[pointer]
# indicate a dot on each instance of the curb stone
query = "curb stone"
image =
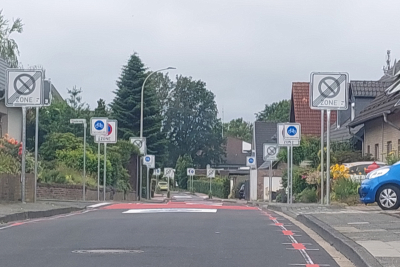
(27, 215)
(349, 248)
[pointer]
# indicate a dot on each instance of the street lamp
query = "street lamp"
(82, 121)
(141, 100)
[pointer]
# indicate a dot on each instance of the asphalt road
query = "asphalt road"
(158, 235)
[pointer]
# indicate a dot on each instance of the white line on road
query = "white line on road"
(169, 210)
(181, 197)
(98, 205)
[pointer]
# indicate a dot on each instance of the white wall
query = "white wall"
(253, 184)
(276, 185)
(11, 121)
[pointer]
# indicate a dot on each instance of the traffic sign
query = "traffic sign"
(24, 88)
(169, 172)
(157, 171)
(250, 161)
(140, 143)
(112, 133)
(270, 152)
(292, 131)
(210, 173)
(77, 121)
(98, 126)
(329, 91)
(281, 141)
(149, 161)
(191, 172)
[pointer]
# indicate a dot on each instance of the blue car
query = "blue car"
(382, 186)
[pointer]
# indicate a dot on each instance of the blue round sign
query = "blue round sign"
(291, 130)
(192, 171)
(99, 125)
(147, 159)
(251, 160)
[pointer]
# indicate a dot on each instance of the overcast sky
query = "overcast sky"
(248, 52)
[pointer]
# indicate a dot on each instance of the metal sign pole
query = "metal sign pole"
(322, 156)
(140, 177)
(291, 172)
(288, 174)
(36, 152)
(328, 157)
(23, 154)
(98, 171)
(270, 182)
(84, 161)
(168, 183)
(148, 182)
(105, 171)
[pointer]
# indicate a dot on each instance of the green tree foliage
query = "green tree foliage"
(219, 186)
(101, 109)
(276, 112)
(240, 129)
(182, 164)
(126, 107)
(59, 141)
(8, 47)
(191, 123)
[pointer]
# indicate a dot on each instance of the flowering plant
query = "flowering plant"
(339, 171)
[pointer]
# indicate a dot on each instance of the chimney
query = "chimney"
(353, 111)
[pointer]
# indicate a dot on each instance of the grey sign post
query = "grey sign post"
(328, 91)
(24, 88)
(270, 154)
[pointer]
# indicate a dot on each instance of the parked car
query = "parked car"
(163, 185)
(382, 186)
(358, 168)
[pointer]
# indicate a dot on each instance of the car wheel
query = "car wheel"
(388, 197)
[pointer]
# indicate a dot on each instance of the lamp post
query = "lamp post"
(82, 121)
(141, 121)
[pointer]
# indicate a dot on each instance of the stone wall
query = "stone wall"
(10, 187)
(10, 191)
(74, 192)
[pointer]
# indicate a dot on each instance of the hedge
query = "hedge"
(220, 187)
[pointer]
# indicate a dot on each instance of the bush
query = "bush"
(308, 195)
(61, 174)
(299, 179)
(9, 164)
(219, 187)
(343, 189)
(59, 141)
(281, 196)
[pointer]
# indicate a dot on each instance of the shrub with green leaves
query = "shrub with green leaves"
(343, 189)
(308, 195)
(219, 186)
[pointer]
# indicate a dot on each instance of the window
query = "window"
(389, 147)
(368, 150)
(376, 155)
(398, 148)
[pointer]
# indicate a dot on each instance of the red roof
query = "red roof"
(301, 112)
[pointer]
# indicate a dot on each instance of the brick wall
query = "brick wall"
(74, 192)
(10, 187)
(261, 173)
(379, 132)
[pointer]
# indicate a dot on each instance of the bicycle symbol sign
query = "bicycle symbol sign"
(99, 125)
(292, 131)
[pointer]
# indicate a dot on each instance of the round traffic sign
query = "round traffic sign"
(291, 130)
(109, 129)
(271, 150)
(137, 143)
(329, 87)
(251, 160)
(99, 125)
(24, 84)
(147, 159)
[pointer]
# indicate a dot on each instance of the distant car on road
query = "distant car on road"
(382, 186)
(163, 185)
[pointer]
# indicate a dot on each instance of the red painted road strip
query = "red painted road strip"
(286, 232)
(312, 265)
(279, 224)
(130, 206)
(272, 218)
(298, 246)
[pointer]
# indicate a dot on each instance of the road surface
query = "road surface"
(188, 231)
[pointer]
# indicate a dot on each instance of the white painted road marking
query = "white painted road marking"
(98, 205)
(181, 197)
(169, 210)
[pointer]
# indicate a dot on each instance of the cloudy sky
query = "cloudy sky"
(248, 52)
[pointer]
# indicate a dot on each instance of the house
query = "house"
(381, 118)
(236, 151)
(10, 117)
(300, 111)
(361, 94)
(263, 132)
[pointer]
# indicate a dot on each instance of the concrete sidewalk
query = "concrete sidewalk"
(17, 211)
(366, 235)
